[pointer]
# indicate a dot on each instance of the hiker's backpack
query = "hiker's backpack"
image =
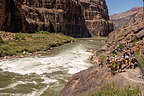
(132, 51)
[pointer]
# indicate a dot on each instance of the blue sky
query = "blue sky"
(116, 6)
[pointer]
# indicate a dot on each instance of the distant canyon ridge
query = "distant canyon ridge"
(77, 18)
(121, 19)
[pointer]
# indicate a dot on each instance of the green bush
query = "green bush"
(6, 50)
(102, 57)
(20, 37)
(140, 57)
(1, 40)
(111, 90)
(134, 41)
(121, 46)
(43, 32)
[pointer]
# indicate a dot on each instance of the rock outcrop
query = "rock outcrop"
(134, 30)
(95, 78)
(96, 17)
(123, 18)
(128, 35)
(77, 18)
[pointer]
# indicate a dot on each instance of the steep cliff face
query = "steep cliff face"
(76, 18)
(10, 19)
(129, 34)
(96, 17)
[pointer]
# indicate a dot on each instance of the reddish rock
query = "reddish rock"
(95, 78)
(78, 18)
(132, 30)
(140, 34)
(121, 19)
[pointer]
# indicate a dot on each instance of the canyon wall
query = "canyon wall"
(121, 19)
(132, 31)
(77, 18)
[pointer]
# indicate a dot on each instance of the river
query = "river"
(45, 75)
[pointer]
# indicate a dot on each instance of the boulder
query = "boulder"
(94, 78)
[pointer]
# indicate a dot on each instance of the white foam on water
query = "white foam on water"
(71, 60)
(48, 80)
(40, 92)
(68, 62)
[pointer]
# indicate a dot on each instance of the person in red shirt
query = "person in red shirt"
(100, 62)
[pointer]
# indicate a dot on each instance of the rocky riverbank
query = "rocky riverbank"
(45, 75)
(93, 79)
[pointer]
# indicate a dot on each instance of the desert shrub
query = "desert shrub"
(102, 57)
(20, 37)
(134, 41)
(43, 32)
(121, 46)
(140, 57)
(1, 40)
(6, 50)
(111, 90)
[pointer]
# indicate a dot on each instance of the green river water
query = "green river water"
(45, 75)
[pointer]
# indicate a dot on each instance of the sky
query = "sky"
(117, 6)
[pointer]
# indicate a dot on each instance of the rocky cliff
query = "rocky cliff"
(78, 18)
(92, 79)
(129, 35)
(134, 29)
(123, 18)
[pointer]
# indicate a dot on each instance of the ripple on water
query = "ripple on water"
(43, 75)
(53, 71)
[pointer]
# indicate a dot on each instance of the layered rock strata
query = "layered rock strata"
(78, 18)
(132, 31)
(123, 18)
(128, 35)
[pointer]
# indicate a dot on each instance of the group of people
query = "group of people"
(128, 60)
(117, 63)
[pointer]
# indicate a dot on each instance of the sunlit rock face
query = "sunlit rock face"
(96, 17)
(77, 18)
(121, 19)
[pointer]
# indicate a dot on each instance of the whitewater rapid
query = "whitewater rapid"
(72, 61)
(51, 69)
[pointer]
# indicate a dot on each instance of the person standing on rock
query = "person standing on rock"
(126, 54)
(100, 63)
(134, 62)
(132, 52)
(108, 62)
(127, 61)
